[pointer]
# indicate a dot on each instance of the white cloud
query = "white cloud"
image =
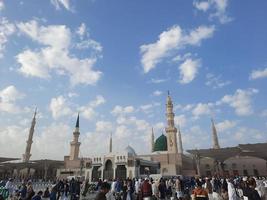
(202, 109)
(256, 74)
(142, 125)
(240, 101)
(72, 94)
(153, 53)
(158, 80)
(57, 36)
(6, 29)
(54, 138)
(157, 93)
(81, 31)
(203, 5)
(218, 7)
(190, 135)
(215, 81)
(2, 5)
(88, 111)
(128, 109)
(180, 120)
(55, 56)
(148, 108)
(61, 3)
(122, 132)
(196, 36)
(98, 101)
(225, 125)
(121, 120)
(187, 107)
(11, 135)
(158, 127)
(104, 126)
(10, 94)
(59, 107)
(119, 110)
(8, 98)
(86, 42)
(239, 135)
(244, 134)
(32, 64)
(180, 58)
(170, 40)
(188, 70)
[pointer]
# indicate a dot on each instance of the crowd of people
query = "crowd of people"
(25, 190)
(171, 188)
(247, 188)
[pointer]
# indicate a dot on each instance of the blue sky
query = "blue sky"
(114, 61)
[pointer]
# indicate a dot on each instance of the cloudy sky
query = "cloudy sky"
(114, 61)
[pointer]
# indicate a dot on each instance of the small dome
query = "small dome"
(130, 151)
(161, 143)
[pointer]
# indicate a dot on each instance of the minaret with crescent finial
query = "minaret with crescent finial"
(152, 140)
(180, 143)
(215, 141)
(110, 143)
(170, 129)
(75, 144)
(26, 156)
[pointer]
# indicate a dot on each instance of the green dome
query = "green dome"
(161, 143)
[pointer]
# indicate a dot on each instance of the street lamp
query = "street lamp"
(81, 166)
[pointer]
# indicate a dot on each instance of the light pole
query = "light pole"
(81, 167)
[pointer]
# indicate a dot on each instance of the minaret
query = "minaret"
(170, 129)
(110, 143)
(180, 143)
(26, 156)
(152, 140)
(75, 144)
(215, 142)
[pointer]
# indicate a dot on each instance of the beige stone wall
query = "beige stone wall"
(170, 164)
(72, 164)
(237, 165)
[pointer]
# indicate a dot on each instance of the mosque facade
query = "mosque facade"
(166, 158)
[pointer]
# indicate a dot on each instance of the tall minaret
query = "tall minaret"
(170, 129)
(26, 156)
(215, 142)
(110, 143)
(75, 144)
(180, 143)
(152, 140)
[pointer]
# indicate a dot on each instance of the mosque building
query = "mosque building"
(44, 169)
(167, 157)
(168, 149)
(109, 166)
